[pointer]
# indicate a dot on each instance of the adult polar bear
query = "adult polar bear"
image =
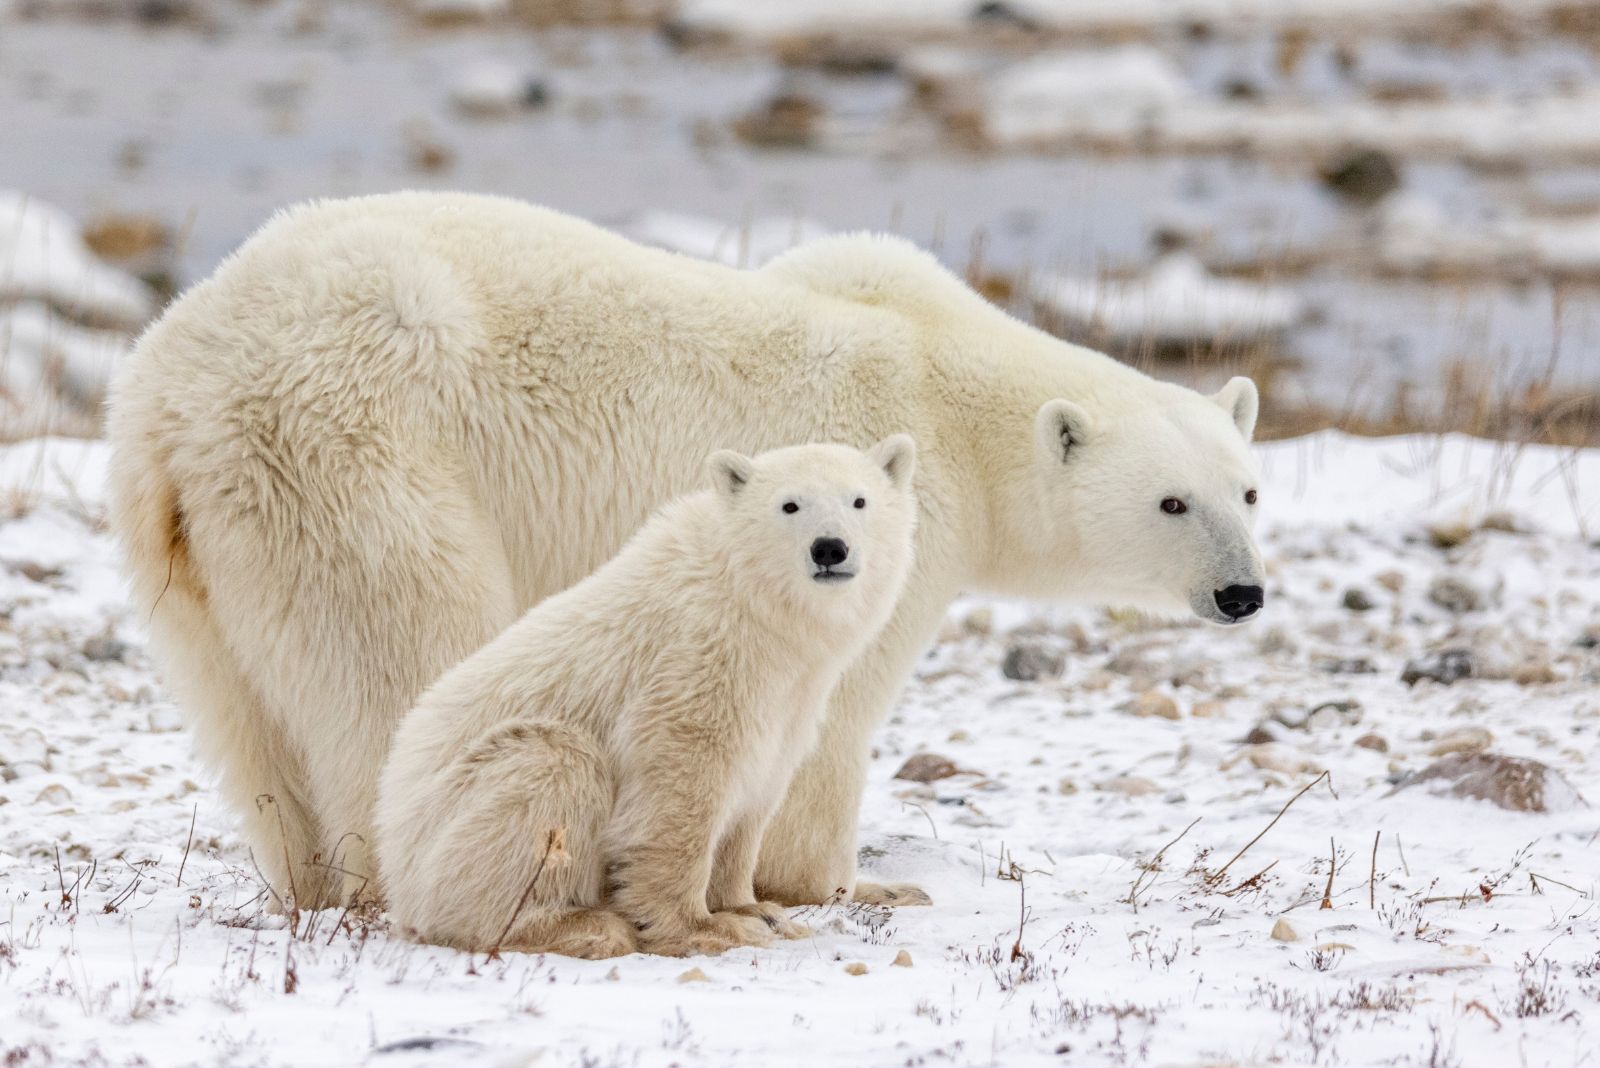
(387, 426)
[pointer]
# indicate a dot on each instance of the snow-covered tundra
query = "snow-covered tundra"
(596, 780)
(389, 425)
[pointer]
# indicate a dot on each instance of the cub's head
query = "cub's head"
(1154, 510)
(824, 530)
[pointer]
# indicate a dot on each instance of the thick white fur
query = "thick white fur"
(387, 426)
(654, 714)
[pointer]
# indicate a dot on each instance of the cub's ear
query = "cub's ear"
(897, 455)
(729, 471)
(1242, 403)
(1060, 427)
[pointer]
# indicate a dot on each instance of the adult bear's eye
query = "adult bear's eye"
(1249, 496)
(861, 502)
(790, 508)
(1173, 506)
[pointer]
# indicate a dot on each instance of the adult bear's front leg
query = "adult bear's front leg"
(808, 853)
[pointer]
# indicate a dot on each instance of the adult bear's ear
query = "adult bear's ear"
(897, 455)
(1060, 427)
(1242, 403)
(729, 471)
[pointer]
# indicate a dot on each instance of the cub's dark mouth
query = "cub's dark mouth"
(829, 575)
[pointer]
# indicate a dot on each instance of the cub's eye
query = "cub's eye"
(1173, 506)
(861, 502)
(1249, 496)
(790, 508)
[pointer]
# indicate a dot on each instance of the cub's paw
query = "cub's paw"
(775, 917)
(891, 894)
(722, 932)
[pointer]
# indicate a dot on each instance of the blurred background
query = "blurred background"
(1388, 211)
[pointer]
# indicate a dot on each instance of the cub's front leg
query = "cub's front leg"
(733, 878)
(668, 818)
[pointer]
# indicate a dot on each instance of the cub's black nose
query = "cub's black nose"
(829, 552)
(1240, 602)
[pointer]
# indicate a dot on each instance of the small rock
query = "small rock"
(1283, 931)
(104, 649)
(35, 572)
(126, 237)
(54, 794)
(927, 767)
(1130, 786)
(1271, 756)
(959, 736)
(1393, 581)
(1000, 13)
(1462, 740)
(1155, 703)
(1503, 522)
(1067, 787)
(694, 975)
(1209, 710)
(1357, 600)
(788, 120)
(855, 967)
(1449, 535)
(1363, 175)
(1454, 594)
(1029, 662)
(1444, 667)
(979, 621)
(1260, 734)
(1514, 783)
(1355, 665)
(1536, 673)
(902, 959)
(1375, 742)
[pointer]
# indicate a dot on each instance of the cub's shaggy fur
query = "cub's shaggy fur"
(644, 725)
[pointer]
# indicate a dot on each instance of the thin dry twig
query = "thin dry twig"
(1216, 877)
(1252, 882)
(1372, 877)
(554, 844)
(1333, 866)
(1151, 866)
(188, 842)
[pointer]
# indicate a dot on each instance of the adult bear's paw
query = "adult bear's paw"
(774, 916)
(891, 895)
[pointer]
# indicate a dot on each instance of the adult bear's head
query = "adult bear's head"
(1153, 508)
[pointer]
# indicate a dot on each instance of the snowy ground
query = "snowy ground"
(131, 929)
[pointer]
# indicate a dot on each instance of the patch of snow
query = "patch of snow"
(735, 244)
(494, 89)
(43, 258)
(1116, 92)
(1177, 301)
(1493, 128)
(1570, 246)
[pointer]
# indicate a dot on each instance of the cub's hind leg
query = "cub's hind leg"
(507, 854)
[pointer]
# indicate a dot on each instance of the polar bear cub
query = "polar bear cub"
(596, 780)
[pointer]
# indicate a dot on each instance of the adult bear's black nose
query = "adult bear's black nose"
(1240, 602)
(829, 552)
